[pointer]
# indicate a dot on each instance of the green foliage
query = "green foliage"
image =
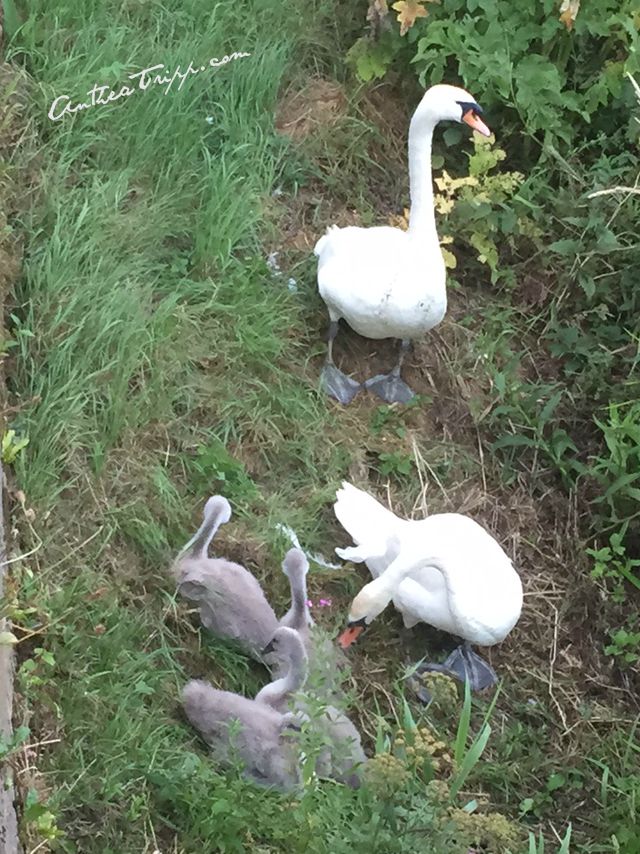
(612, 564)
(370, 59)
(625, 646)
(10, 745)
(11, 20)
(37, 671)
(214, 469)
(552, 81)
(12, 445)
(475, 208)
(395, 463)
(39, 819)
(617, 472)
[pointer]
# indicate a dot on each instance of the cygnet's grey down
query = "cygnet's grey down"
(231, 601)
(343, 753)
(296, 566)
(265, 740)
(325, 659)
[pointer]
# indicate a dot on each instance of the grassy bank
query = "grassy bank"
(158, 359)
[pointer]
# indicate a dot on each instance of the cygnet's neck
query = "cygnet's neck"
(298, 616)
(280, 690)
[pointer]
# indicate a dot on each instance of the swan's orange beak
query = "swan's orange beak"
(474, 121)
(350, 635)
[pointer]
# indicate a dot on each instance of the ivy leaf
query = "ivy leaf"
(409, 11)
(569, 12)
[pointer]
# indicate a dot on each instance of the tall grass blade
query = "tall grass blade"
(11, 23)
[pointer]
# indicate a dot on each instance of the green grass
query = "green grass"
(167, 363)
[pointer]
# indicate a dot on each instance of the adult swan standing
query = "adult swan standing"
(385, 282)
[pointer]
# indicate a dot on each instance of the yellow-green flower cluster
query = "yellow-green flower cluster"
(385, 774)
(491, 830)
(443, 689)
(421, 744)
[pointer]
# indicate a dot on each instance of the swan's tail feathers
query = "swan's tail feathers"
(364, 518)
(217, 511)
(322, 243)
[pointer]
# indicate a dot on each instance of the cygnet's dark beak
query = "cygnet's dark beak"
(270, 647)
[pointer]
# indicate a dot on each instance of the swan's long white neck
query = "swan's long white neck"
(422, 220)
(405, 564)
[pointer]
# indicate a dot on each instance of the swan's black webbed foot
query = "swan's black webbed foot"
(390, 387)
(465, 665)
(338, 385)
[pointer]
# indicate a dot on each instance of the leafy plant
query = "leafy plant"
(612, 564)
(39, 819)
(213, 464)
(474, 207)
(395, 463)
(625, 645)
(12, 445)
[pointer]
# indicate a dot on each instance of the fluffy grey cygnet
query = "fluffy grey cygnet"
(325, 659)
(343, 754)
(231, 601)
(265, 740)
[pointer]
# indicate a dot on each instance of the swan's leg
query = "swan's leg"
(335, 383)
(391, 387)
(467, 666)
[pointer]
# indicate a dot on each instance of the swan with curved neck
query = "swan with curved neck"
(385, 282)
(445, 570)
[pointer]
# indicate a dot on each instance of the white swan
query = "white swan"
(385, 282)
(445, 570)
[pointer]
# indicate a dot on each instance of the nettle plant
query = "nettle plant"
(553, 64)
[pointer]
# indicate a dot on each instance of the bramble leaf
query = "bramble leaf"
(408, 13)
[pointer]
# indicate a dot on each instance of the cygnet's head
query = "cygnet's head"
(367, 605)
(286, 645)
(295, 564)
(219, 507)
(450, 103)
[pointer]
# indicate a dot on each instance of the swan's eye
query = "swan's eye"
(470, 106)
